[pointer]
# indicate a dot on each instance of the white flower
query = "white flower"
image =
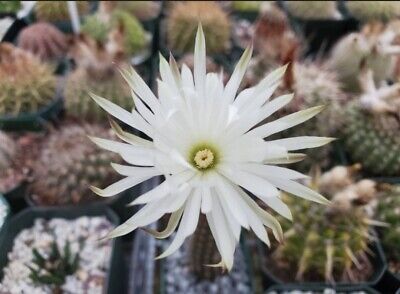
(206, 144)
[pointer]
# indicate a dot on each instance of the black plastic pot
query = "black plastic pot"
(16, 197)
(377, 258)
(390, 283)
(318, 289)
(33, 121)
(14, 30)
(26, 218)
(4, 202)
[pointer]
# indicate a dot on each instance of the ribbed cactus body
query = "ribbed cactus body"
(26, 84)
(374, 10)
(80, 83)
(310, 10)
(184, 19)
(328, 243)
(53, 11)
(68, 164)
(373, 139)
(143, 10)
(203, 252)
(389, 212)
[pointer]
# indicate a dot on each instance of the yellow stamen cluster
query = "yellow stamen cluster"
(204, 158)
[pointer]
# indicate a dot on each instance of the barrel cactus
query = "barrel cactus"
(367, 11)
(389, 212)
(43, 40)
(68, 164)
(143, 10)
(10, 6)
(313, 10)
(246, 6)
(53, 11)
(26, 84)
(183, 20)
(372, 132)
(373, 46)
(97, 73)
(329, 244)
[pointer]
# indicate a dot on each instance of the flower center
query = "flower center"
(204, 158)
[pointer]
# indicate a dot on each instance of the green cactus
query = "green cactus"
(372, 128)
(313, 10)
(8, 151)
(203, 252)
(389, 212)
(246, 6)
(26, 84)
(367, 11)
(53, 11)
(10, 6)
(68, 164)
(373, 46)
(184, 19)
(52, 269)
(96, 28)
(328, 244)
(143, 10)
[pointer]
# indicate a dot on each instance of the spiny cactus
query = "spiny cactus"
(52, 269)
(246, 6)
(8, 151)
(329, 244)
(26, 84)
(367, 11)
(143, 10)
(95, 28)
(68, 164)
(44, 41)
(389, 212)
(313, 10)
(372, 46)
(53, 11)
(95, 73)
(372, 128)
(183, 21)
(10, 6)
(203, 252)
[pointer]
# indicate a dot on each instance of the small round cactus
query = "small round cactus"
(183, 20)
(44, 41)
(53, 11)
(246, 6)
(373, 46)
(313, 10)
(143, 10)
(26, 84)
(367, 11)
(10, 6)
(372, 132)
(68, 164)
(328, 244)
(389, 213)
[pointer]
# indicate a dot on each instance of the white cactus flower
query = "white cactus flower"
(207, 144)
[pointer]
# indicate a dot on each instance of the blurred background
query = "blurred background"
(341, 54)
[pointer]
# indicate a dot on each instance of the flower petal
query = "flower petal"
(289, 158)
(200, 61)
(120, 186)
(171, 226)
(302, 142)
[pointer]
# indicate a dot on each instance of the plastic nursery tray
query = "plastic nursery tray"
(33, 121)
(318, 289)
(26, 218)
(377, 258)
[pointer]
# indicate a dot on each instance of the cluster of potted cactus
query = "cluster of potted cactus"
(340, 57)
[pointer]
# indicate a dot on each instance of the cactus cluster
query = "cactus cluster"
(143, 10)
(367, 11)
(10, 6)
(183, 20)
(43, 40)
(53, 11)
(328, 243)
(26, 84)
(373, 46)
(313, 10)
(53, 268)
(372, 132)
(389, 213)
(96, 73)
(68, 164)
(246, 6)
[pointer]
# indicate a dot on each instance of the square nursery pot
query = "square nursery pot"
(377, 258)
(294, 288)
(148, 275)
(35, 121)
(25, 219)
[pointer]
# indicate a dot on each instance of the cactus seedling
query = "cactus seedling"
(183, 21)
(54, 268)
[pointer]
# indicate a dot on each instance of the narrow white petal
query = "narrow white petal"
(120, 186)
(302, 142)
(200, 61)
(171, 226)
(286, 122)
(128, 137)
(134, 171)
(206, 201)
(117, 147)
(267, 171)
(278, 205)
(289, 158)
